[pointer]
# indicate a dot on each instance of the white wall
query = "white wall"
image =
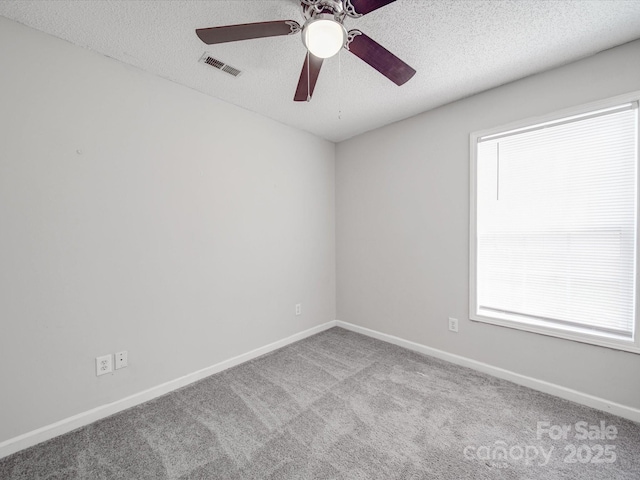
(139, 215)
(402, 229)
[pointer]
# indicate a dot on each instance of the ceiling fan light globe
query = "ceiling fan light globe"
(323, 37)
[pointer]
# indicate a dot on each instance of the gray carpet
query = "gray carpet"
(340, 405)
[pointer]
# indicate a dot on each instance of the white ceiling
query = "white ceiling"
(458, 47)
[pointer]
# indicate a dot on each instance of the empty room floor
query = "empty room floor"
(340, 405)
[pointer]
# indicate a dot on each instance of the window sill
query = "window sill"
(598, 339)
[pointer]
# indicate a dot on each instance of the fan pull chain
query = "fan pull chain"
(340, 84)
(308, 81)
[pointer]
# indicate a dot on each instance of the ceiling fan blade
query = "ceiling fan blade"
(379, 57)
(357, 8)
(246, 31)
(307, 82)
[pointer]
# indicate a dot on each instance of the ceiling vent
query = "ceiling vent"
(220, 65)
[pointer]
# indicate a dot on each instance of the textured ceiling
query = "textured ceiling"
(458, 47)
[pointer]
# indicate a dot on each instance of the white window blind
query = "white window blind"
(556, 223)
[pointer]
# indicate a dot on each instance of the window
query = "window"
(553, 224)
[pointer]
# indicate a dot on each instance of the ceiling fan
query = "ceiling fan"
(323, 34)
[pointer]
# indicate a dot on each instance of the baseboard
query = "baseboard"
(48, 432)
(534, 383)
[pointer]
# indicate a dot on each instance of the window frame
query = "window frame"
(600, 339)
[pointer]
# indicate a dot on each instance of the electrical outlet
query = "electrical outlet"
(104, 364)
(298, 309)
(453, 324)
(122, 359)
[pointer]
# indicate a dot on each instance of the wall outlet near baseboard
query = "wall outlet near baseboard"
(453, 324)
(104, 365)
(122, 359)
(298, 309)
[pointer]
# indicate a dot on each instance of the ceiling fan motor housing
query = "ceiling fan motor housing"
(310, 8)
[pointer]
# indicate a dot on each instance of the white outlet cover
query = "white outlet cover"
(122, 359)
(298, 308)
(453, 324)
(104, 365)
